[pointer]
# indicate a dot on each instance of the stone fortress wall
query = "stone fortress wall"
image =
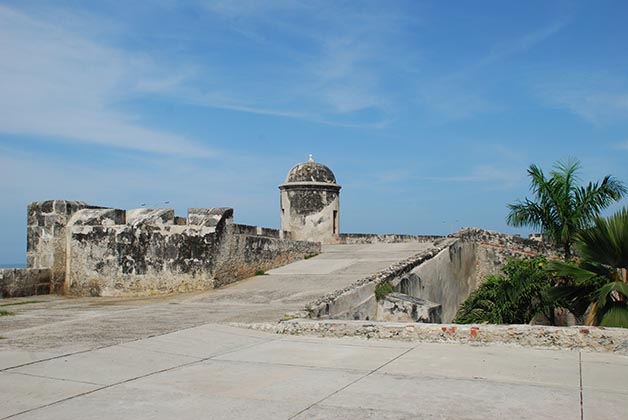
(431, 285)
(87, 250)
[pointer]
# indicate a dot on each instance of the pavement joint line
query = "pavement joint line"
(481, 379)
(296, 340)
(580, 375)
(82, 319)
(104, 347)
(53, 378)
(257, 362)
(352, 383)
(82, 394)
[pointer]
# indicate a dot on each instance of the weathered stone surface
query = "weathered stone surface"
(399, 307)
(98, 251)
(140, 259)
(310, 203)
(445, 274)
(594, 339)
(310, 172)
(46, 245)
(210, 217)
(16, 282)
(97, 217)
(147, 256)
(241, 255)
(357, 301)
(151, 216)
(372, 238)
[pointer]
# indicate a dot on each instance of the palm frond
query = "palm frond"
(580, 275)
(606, 241)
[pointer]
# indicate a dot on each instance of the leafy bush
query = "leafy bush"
(514, 297)
(383, 289)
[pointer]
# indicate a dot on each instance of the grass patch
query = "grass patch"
(26, 302)
(383, 289)
(260, 273)
(308, 256)
(6, 313)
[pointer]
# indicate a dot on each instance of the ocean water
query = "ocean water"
(16, 265)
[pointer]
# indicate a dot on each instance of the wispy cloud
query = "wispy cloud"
(461, 94)
(597, 97)
(56, 83)
(333, 73)
(484, 173)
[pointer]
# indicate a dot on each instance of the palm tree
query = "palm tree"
(561, 207)
(602, 277)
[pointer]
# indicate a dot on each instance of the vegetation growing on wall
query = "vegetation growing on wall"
(514, 297)
(383, 289)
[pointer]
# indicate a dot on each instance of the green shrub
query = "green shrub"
(260, 273)
(6, 313)
(514, 297)
(383, 289)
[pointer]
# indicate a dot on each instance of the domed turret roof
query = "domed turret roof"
(310, 171)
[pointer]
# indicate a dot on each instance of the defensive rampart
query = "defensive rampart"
(100, 251)
(443, 275)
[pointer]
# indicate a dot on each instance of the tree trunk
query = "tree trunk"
(567, 249)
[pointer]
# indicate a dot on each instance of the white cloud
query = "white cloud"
(595, 105)
(56, 83)
(484, 173)
(327, 63)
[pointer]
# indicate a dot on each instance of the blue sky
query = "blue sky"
(429, 113)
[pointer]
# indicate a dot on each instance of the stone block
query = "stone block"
(98, 217)
(399, 307)
(16, 282)
(150, 216)
(210, 217)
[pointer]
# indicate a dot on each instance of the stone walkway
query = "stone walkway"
(60, 325)
(173, 357)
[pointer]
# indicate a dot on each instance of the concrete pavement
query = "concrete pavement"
(220, 372)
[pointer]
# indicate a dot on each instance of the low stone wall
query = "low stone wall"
(445, 274)
(260, 231)
(241, 256)
(17, 282)
(371, 238)
(357, 301)
(593, 339)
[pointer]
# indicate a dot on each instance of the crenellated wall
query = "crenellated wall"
(110, 252)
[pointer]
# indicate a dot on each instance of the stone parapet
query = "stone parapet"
(17, 282)
(592, 339)
(373, 238)
(357, 301)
